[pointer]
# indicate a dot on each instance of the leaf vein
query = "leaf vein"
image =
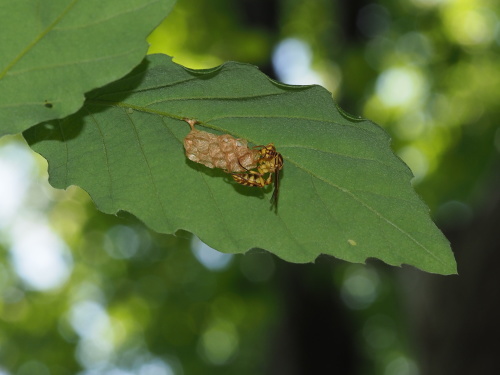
(287, 117)
(136, 91)
(369, 208)
(108, 18)
(329, 212)
(70, 63)
(111, 195)
(37, 39)
(141, 147)
(221, 215)
(217, 98)
(337, 154)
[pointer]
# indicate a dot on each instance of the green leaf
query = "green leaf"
(343, 192)
(52, 52)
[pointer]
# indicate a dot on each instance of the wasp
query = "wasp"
(270, 159)
(270, 162)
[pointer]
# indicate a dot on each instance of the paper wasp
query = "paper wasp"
(270, 162)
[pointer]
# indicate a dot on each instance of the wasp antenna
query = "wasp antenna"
(241, 165)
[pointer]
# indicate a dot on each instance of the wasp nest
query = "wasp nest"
(219, 151)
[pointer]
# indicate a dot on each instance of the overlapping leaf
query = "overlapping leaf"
(343, 191)
(52, 52)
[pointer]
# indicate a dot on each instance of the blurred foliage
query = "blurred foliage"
(134, 296)
(426, 70)
(203, 34)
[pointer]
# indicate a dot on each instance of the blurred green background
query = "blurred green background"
(86, 293)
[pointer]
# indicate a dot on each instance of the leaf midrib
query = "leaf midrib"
(141, 108)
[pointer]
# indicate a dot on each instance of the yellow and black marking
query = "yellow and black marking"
(252, 178)
(270, 162)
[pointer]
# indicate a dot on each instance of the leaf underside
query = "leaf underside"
(343, 191)
(52, 52)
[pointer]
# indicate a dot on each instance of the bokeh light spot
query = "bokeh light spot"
(469, 24)
(121, 242)
(360, 287)
(399, 86)
(379, 331)
(16, 170)
(292, 60)
(89, 319)
(219, 343)
(39, 256)
(416, 160)
(209, 257)
(257, 267)
(401, 366)
(155, 367)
